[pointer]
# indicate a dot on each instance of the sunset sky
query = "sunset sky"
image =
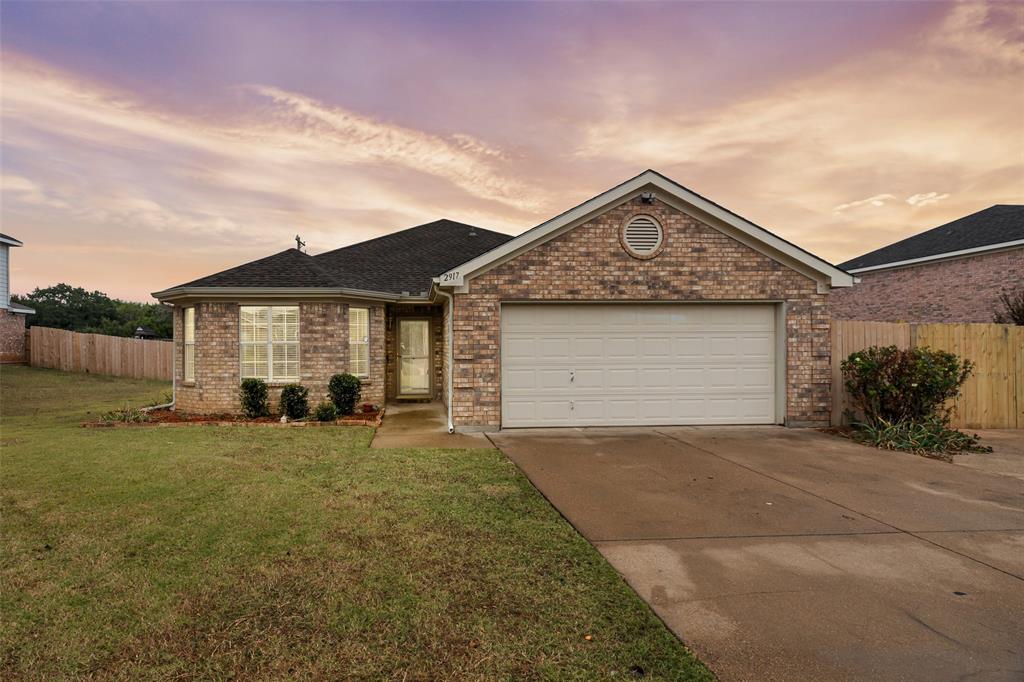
(146, 144)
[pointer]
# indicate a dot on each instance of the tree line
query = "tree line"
(73, 308)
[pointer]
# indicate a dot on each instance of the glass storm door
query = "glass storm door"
(413, 357)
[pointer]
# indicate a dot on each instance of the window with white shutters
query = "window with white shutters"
(269, 342)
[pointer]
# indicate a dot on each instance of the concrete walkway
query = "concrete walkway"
(422, 425)
(783, 554)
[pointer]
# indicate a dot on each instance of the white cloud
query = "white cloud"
(926, 199)
(877, 200)
(24, 190)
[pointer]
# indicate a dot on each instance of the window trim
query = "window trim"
(185, 344)
(270, 378)
(365, 342)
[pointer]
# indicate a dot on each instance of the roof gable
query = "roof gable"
(673, 193)
(992, 227)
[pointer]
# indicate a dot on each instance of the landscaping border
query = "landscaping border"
(374, 422)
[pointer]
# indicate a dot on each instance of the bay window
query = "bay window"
(359, 341)
(269, 342)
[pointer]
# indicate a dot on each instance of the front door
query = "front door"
(413, 357)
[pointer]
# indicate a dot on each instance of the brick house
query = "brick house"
(12, 315)
(647, 304)
(952, 273)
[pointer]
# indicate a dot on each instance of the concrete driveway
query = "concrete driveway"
(781, 554)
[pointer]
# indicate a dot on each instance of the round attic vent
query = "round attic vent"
(642, 236)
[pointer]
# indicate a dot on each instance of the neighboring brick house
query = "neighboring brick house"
(12, 315)
(647, 304)
(952, 273)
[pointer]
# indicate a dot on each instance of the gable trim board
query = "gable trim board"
(941, 256)
(674, 194)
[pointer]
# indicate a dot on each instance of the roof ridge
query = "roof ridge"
(409, 229)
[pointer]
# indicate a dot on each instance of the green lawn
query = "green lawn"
(252, 552)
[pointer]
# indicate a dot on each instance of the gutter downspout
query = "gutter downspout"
(451, 355)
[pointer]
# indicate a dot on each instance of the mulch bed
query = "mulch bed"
(175, 418)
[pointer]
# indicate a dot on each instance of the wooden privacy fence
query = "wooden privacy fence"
(100, 354)
(992, 398)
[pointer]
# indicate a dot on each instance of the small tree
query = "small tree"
(1010, 308)
(345, 390)
(295, 401)
(253, 395)
(889, 384)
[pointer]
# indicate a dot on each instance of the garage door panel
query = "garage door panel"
(687, 378)
(654, 378)
(552, 379)
(637, 364)
(520, 379)
(518, 348)
(756, 377)
(553, 348)
(721, 377)
(656, 346)
(723, 346)
(760, 346)
(588, 348)
(621, 348)
(621, 378)
(689, 347)
(657, 409)
(589, 378)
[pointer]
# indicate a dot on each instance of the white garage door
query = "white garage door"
(628, 364)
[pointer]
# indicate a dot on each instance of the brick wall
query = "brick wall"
(12, 337)
(698, 263)
(323, 352)
(960, 290)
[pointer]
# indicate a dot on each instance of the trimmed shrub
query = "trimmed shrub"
(888, 385)
(253, 394)
(325, 412)
(295, 401)
(344, 390)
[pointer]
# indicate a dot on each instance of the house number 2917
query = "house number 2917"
(450, 276)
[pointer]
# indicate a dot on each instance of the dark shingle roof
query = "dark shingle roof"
(410, 259)
(405, 261)
(290, 268)
(993, 225)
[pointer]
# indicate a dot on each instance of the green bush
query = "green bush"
(126, 415)
(345, 390)
(295, 401)
(931, 437)
(889, 385)
(253, 394)
(325, 412)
